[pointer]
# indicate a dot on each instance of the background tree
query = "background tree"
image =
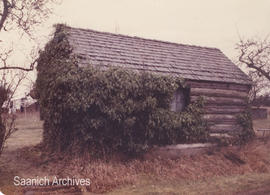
(20, 17)
(254, 54)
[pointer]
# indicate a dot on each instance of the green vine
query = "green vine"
(245, 121)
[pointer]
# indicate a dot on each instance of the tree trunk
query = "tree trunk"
(2, 133)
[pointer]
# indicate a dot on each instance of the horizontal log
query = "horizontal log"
(224, 128)
(223, 110)
(216, 85)
(220, 100)
(222, 122)
(219, 117)
(218, 93)
(215, 136)
(227, 106)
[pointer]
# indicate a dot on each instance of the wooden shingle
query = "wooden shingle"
(188, 61)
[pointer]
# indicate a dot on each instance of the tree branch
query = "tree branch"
(4, 15)
(253, 55)
(32, 65)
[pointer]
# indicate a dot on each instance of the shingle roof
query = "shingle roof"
(190, 62)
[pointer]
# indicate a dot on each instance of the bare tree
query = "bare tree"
(7, 120)
(23, 14)
(254, 54)
(22, 17)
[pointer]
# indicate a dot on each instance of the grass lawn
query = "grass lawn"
(29, 132)
(235, 184)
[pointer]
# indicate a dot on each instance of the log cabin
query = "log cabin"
(207, 71)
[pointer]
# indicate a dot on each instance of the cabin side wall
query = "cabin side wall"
(223, 102)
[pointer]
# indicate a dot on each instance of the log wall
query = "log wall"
(223, 102)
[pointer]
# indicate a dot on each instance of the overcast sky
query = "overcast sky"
(211, 23)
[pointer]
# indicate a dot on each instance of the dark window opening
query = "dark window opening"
(180, 100)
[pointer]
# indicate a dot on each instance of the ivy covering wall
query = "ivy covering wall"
(87, 109)
(245, 121)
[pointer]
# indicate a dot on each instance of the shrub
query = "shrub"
(245, 121)
(112, 110)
